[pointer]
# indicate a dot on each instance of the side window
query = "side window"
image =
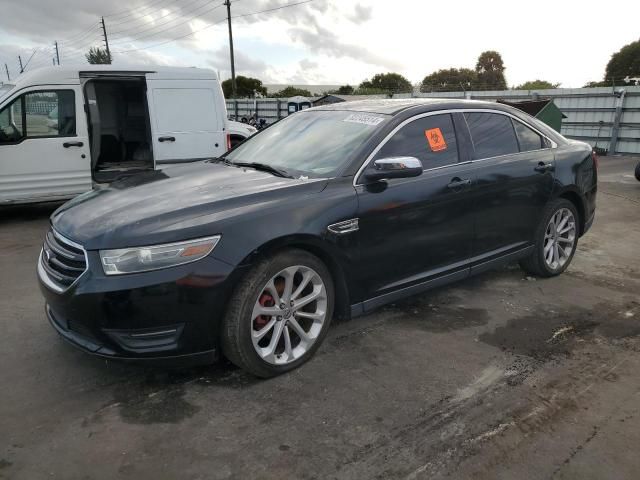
(50, 113)
(492, 134)
(527, 138)
(11, 128)
(430, 139)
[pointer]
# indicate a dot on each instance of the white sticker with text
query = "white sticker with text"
(364, 119)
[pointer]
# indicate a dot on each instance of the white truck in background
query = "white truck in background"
(64, 130)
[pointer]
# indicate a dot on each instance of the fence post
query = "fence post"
(613, 144)
(278, 108)
(235, 108)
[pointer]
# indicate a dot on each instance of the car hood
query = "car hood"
(175, 204)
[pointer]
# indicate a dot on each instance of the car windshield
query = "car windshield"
(314, 143)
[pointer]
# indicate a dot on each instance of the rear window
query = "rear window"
(527, 138)
(492, 134)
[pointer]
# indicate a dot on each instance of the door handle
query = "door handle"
(544, 167)
(72, 144)
(458, 183)
(167, 139)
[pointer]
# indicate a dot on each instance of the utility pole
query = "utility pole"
(233, 63)
(6, 69)
(20, 60)
(106, 40)
(57, 53)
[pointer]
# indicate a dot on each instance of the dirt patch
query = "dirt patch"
(546, 334)
(439, 313)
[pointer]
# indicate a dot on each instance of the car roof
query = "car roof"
(396, 106)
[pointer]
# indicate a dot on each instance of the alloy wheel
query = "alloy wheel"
(559, 239)
(288, 315)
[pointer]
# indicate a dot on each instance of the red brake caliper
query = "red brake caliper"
(266, 300)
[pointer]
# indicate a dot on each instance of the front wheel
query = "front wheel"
(556, 240)
(279, 314)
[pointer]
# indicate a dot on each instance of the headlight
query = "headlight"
(143, 259)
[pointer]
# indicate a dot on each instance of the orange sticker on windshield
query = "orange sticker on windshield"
(435, 139)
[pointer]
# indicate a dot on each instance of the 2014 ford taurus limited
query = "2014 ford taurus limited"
(333, 211)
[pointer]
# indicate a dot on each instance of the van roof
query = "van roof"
(66, 75)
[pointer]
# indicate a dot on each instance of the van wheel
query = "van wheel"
(279, 314)
(556, 239)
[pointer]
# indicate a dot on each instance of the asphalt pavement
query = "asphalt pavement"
(500, 376)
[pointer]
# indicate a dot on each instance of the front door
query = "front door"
(44, 149)
(514, 170)
(187, 120)
(414, 231)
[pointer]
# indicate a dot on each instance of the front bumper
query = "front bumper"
(169, 316)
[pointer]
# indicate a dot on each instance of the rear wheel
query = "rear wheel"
(279, 314)
(638, 172)
(556, 240)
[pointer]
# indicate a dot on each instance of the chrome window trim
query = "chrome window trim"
(450, 111)
(43, 274)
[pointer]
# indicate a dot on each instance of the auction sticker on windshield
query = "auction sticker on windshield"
(364, 119)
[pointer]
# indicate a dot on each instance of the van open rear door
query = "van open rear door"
(187, 119)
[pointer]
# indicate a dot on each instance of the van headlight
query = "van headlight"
(143, 259)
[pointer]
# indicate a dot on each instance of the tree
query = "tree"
(490, 69)
(98, 56)
(387, 83)
(246, 87)
(291, 91)
(345, 90)
(449, 80)
(624, 63)
(536, 85)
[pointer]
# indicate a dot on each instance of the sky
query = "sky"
(326, 42)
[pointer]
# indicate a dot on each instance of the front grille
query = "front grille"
(62, 260)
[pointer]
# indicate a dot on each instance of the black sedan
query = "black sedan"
(332, 212)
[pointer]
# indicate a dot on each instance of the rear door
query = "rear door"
(514, 171)
(187, 119)
(44, 149)
(415, 231)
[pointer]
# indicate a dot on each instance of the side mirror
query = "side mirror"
(394, 167)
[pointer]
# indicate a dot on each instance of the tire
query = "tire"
(538, 262)
(259, 291)
(638, 172)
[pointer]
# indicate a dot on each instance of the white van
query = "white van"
(65, 130)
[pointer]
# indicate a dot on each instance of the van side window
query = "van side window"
(11, 125)
(431, 139)
(50, 113)
(492, 134)
(527, 138)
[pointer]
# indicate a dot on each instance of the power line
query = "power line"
(170, 28)
(130, 12)
(138, 19)
(213, 24)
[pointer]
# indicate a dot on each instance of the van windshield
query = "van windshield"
(5, 88)
(314, 143)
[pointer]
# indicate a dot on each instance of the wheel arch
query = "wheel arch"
(574, 197)
(320, 248)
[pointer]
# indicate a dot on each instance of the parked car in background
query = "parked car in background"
(334, 210)
(239, 132)
(136, 120)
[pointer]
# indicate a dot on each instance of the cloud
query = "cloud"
(361, 14)
(326, 42)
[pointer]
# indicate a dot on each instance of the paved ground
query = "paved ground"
(501, 376)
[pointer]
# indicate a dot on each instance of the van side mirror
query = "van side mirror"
(394, 167)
